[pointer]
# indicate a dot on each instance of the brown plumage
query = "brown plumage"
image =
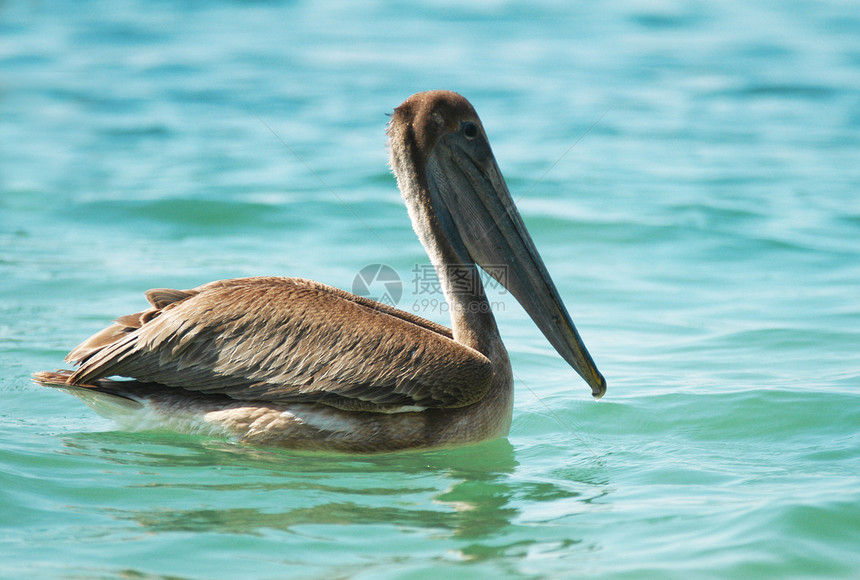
(297, 341)
(292, 362)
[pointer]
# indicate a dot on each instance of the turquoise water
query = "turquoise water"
(689, 171)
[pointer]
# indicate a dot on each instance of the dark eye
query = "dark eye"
(470, 130)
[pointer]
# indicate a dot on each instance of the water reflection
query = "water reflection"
(472, 493)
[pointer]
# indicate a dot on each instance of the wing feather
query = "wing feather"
(287, 340)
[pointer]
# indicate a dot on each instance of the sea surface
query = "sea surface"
(690, 172)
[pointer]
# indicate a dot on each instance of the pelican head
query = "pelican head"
(464, 213)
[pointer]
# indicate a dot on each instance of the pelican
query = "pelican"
(294, 363)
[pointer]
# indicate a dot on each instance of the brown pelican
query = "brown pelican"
(296, 363)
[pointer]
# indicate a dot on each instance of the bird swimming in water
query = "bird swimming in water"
(295, 363)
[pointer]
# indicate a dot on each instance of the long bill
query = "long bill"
(463, 175)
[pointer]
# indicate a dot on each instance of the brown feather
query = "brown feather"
(289, 340)
(161, 297)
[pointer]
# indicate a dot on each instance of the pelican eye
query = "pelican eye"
(470, 130)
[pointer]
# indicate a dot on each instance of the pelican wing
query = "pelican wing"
(287, 340)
